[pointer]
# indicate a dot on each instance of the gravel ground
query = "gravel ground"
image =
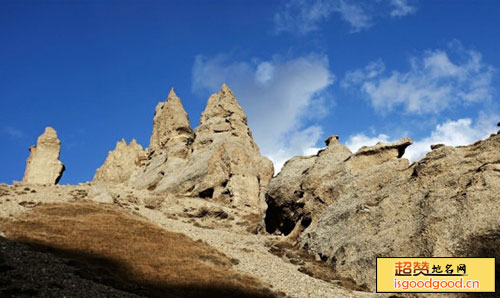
(256, 260)
(249, 249)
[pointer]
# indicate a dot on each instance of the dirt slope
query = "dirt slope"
(130, 254)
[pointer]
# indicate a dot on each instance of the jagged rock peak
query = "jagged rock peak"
(223, 163)
(223, 104)
(398, 146)
(121, 163)
(170, 123)
(43, 165)
(368, 156)
(172, 93)
(225, 88)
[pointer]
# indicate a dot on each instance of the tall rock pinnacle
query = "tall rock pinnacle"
(171, 128)
(225, 163)
(220, 161)
(223, 117)
(43, 165)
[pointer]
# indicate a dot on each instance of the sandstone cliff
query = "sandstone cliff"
(351, 208)
(43, 165)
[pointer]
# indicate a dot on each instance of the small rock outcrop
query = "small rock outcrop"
(351, 208)
(121, 163)
(43, 165)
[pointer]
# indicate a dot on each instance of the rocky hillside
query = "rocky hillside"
(313, 230)
(104, 252)
(349, 208)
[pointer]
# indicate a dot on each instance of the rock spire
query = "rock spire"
(225, 162)
(43, 165)
(171, 127)
(219, 161)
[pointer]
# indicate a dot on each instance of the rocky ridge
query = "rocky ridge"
(349, 209)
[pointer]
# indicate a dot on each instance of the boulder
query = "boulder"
(100, 193)
(43, 165)
(121, 163)
(374, 204)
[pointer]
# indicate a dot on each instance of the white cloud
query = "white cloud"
(401, 8)
(304, 16)
(433, 83)
(359, 140)
(301, 142)
(264, 73)
(359, 76)
(452, 133)
(278, 96)
(13, 132)
(355, 15)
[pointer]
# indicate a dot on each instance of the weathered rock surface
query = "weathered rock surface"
(374, 204)
(219, 161)
(225, 163)
(171, 129)
(121, 163)
(100, 193)
(43, 165)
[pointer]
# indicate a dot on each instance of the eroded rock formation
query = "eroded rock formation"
(43, 165)
(171, 129)
(121, 163)
(220, 160)
(351, 208)
(225, 162)
(170, 144)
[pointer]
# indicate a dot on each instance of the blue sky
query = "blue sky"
(367, 71)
